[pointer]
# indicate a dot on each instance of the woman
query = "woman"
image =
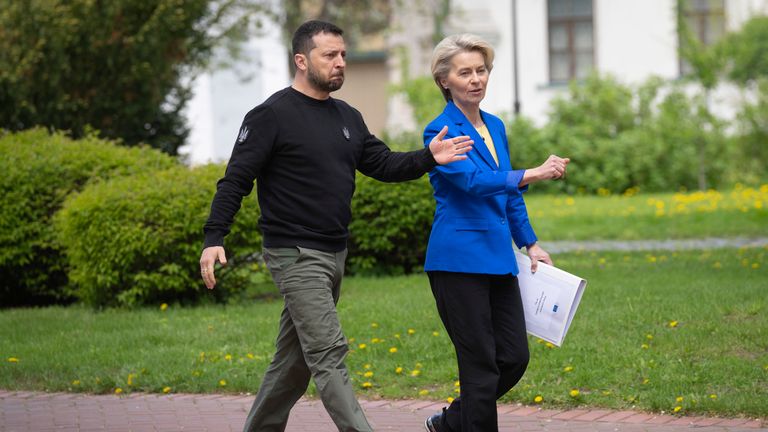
(470, 259)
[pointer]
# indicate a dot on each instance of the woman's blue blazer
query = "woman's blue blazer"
(480, 208)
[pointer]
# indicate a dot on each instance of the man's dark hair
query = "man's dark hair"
(302, 39)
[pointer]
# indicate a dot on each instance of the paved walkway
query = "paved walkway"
(43, 412)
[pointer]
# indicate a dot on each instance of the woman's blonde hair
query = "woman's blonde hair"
(452, 45)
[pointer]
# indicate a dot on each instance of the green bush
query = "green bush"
(390, 226)
(620, 138)
(39, 171)
(137, 240)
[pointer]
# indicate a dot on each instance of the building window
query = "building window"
(706, 22)
(571, 41)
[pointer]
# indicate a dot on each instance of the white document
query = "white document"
(550, 299)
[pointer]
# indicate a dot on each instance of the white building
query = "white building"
(222, 98)
(557, 40)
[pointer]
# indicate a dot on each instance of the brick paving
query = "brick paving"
(139, 412)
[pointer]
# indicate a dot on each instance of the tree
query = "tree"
(358, 18)
(746, 51)
(706, 67)
(118, 66)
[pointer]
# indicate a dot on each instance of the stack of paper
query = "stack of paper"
(550, 299)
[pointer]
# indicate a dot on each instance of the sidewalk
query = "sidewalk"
(138, 412)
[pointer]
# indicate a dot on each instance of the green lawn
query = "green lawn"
(742, 211)
(652, 327)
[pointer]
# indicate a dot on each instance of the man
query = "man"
(302, 148)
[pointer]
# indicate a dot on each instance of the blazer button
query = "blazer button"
(503, 221)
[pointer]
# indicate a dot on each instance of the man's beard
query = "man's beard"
(319, 83)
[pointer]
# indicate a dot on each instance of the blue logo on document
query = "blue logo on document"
(554, 309)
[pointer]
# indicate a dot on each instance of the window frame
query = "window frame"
(702, 27)
(569, 22)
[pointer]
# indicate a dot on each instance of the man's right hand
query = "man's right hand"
(208, 260)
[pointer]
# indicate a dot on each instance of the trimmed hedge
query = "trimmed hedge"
(137, 240)
(40, 170)
(390, 226)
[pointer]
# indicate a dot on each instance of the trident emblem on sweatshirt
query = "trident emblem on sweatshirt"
(243, 135)
(346, 132)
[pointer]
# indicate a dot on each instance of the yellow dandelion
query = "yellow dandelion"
(166, 390)
(607, 392)
(717, 265)
(76, 382)
(435, 333)
(415, 373)
(601, 261)
(411, 331)
(397, 335)
(375, 340)
(368, 374)
(568, 369)
(228, 357)
(351, 340)
(362, 346)
(646, 381)
(367, 385)
(549, 345)
(367, 366)
(375, 325)
(250, 356)
(574, 392)
(393, 350)
(223, 383)
(423, 392)
(649, 336)
(538, 399)
(457, 390)
(164, 306)
(418, 365)
(755, 265)
(118, 391)
(130, 379)
(673, 324)
(457, 384)
(677, 409)
(713, 396)
(644, 346)
(398, 370)
(449, 399)
(13, 359)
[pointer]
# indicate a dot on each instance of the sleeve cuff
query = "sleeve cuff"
(524, 239)
(213, 238)
(513, 180)
(428, 160)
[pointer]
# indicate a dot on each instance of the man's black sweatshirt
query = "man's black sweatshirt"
(303, 152)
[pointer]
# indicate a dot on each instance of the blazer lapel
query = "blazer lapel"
(499, 143)
(466, 128)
